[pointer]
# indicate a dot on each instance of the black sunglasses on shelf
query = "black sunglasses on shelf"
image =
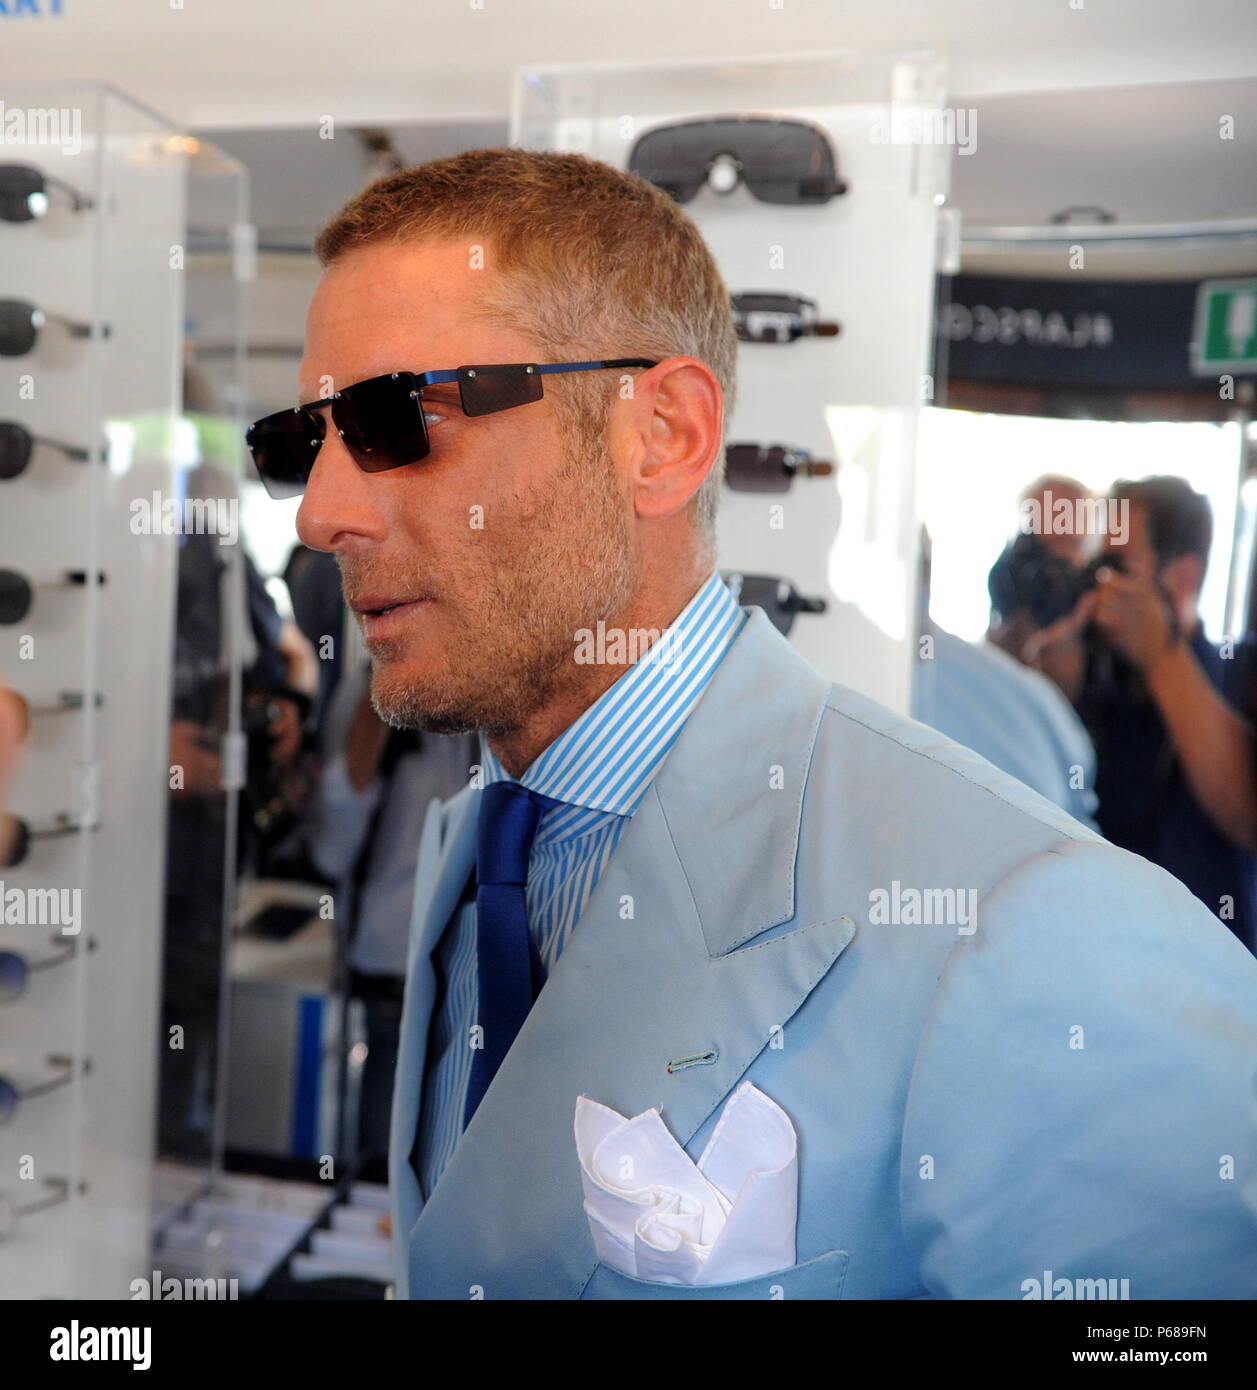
(21, 322)
(381, 419)
(778, 597)
(779, 160)
(24, 193)
(761, 316)
(17, 444)
(769, 467)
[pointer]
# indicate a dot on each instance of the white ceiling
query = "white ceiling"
(1149, 156)
(1112, 102)
(1146, 154)
(289, 62)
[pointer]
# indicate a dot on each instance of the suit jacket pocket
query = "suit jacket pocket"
(819, 1278)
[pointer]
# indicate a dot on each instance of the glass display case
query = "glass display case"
(211, 645)
(861, 249)
(91, 229)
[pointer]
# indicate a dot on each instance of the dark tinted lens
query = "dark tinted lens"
(17, 833)
(768, 592)
(788, 162)
(17, 327)
(12, 975)
(14, 208)
(483, 390)
(284, 447)
(779, 303)
(9, 1097)
(752, 468)
(382, 422)
(15, 448)
(17, 183)
(674, 159)
(760, 590)
(15, 596)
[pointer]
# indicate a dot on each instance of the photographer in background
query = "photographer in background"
(1014, 716)
(1037, 580)
(364, 831)
(279, 676)
(1168, 712)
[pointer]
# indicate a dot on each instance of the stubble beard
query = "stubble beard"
(572, 565)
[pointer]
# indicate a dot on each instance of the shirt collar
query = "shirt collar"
(606, 759)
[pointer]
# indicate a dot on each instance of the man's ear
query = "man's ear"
(677, 417)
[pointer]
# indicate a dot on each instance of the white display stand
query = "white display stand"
(114, 267)
(867, 259)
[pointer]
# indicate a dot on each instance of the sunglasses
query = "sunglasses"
(17, 444)
(24, 193)
(22, 835)
(769, 467)
(779, 161)
(16, 969)
(760, 316)
(17, 593)
(778, 597)
(11, 1093)
(381, 420)
(20, 324)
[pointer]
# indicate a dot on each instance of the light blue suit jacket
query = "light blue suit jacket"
(1064, 1094)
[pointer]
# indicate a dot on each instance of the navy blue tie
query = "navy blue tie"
(510, 971)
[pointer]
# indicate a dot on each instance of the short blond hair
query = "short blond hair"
(594, 262)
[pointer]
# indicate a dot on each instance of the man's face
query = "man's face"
(1136, 555)
(499, 545)
(1072, 545)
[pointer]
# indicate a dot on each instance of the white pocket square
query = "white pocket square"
(656, 1214)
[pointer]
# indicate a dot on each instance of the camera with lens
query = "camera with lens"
(1028, 577)
(269, 793)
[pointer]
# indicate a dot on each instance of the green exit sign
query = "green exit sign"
(1224, 338)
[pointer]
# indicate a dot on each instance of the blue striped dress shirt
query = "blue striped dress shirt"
(600, 767)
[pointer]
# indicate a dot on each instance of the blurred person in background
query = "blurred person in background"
(279, 681)
(275, 659)
(1170, 714)
(313, 582)
(1015, 717)
(364, 833)
(1036, 580)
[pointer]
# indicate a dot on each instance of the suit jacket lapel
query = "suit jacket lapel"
(440, 877)
(651, 1003)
